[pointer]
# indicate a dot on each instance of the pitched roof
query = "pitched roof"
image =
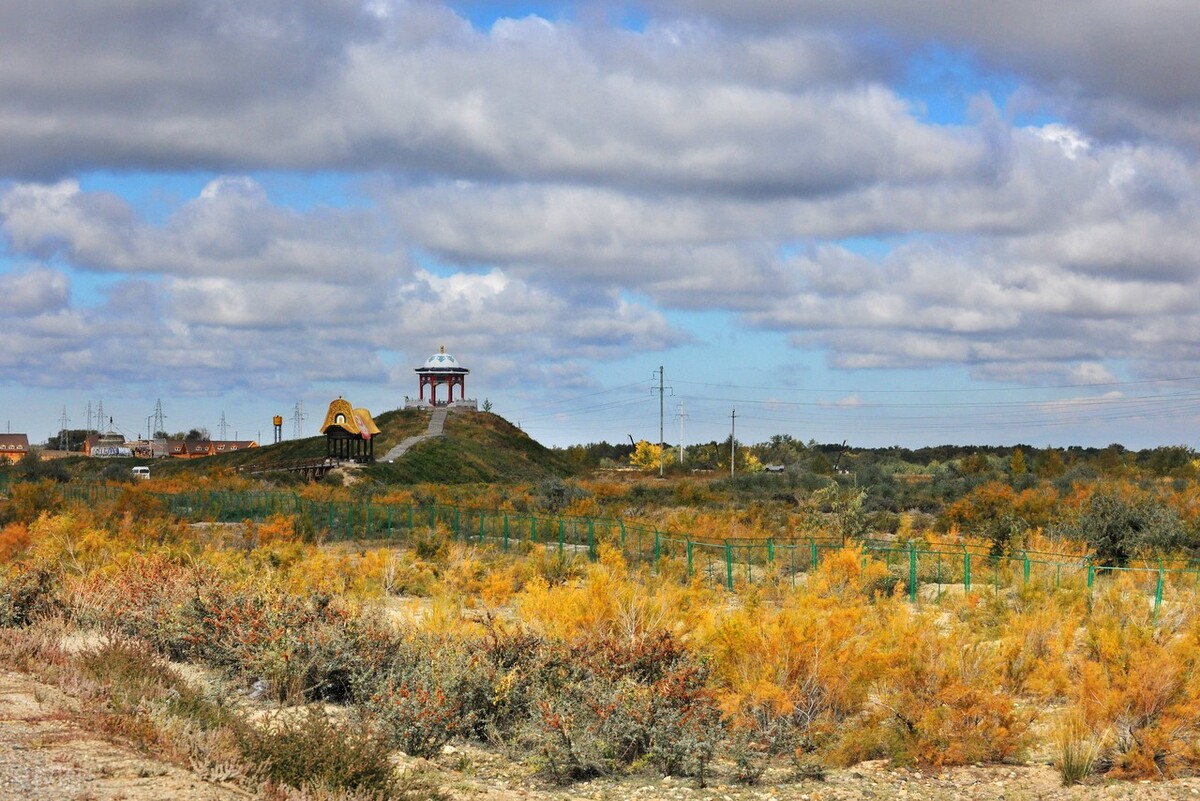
(229, 445)
(14, 443)
(344, 416)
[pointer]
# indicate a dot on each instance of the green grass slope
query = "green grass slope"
(477, 446)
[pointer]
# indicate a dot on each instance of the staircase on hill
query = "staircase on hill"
(437, 424)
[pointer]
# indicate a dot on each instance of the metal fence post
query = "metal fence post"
(912, 573)
(728, 565)
(1158, 592)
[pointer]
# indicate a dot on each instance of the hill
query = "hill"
(477, 446)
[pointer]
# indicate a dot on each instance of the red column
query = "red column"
(422, 387)
(433, 392)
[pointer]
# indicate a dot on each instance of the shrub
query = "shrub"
(421, 694)
(1117, 527)
(417, 715)
(301, 648)
(605, 706)
(27, 593)
(312, 752)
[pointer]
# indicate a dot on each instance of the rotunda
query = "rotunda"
(442, 368)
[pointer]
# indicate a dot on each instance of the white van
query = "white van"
(141, 472)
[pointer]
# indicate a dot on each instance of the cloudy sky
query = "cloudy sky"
(881, 222)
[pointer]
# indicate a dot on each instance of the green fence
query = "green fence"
(920, 571)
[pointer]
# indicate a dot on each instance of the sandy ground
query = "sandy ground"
(45, 754)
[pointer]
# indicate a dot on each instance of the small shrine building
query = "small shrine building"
(349, 432)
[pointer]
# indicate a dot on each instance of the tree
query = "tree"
(1119, 527)
(1017, 465)
(646, 455)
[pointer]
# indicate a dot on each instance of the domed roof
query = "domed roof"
(442, 359)
(442, 362)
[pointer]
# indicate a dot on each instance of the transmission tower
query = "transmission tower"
(298, 420)
(223, 425)
(89, 418)
(100, 429)
(64, 438)
(160, 420)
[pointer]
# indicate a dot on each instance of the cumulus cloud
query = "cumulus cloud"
(1114, 65)
(231, 229)
(544, 193)
(416, 90)
(236, 292)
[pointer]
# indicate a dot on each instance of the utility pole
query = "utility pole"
(661, 375)
(682, 415)
(732, 441)
(662, 391)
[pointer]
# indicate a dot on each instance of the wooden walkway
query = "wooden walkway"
(310, 470)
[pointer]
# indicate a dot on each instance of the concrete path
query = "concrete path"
(437, 424)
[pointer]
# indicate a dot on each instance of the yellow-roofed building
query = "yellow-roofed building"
(349, 433)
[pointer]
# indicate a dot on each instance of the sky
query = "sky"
(866, 221)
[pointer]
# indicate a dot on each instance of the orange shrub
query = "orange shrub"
(14, 539)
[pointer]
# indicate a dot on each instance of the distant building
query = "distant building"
(106, 445)
(200, 448)
(13, 447)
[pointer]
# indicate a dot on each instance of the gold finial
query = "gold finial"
(443, 348)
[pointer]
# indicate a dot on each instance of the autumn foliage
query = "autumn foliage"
(603, 666)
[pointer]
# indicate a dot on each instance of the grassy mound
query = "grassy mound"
(477, 447)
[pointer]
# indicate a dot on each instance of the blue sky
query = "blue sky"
(939, 224)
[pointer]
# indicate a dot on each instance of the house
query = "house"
(199, 448)
(105, 445)
(231, 445)
(13, 447)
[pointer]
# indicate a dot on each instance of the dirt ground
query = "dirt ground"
(47, 754)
